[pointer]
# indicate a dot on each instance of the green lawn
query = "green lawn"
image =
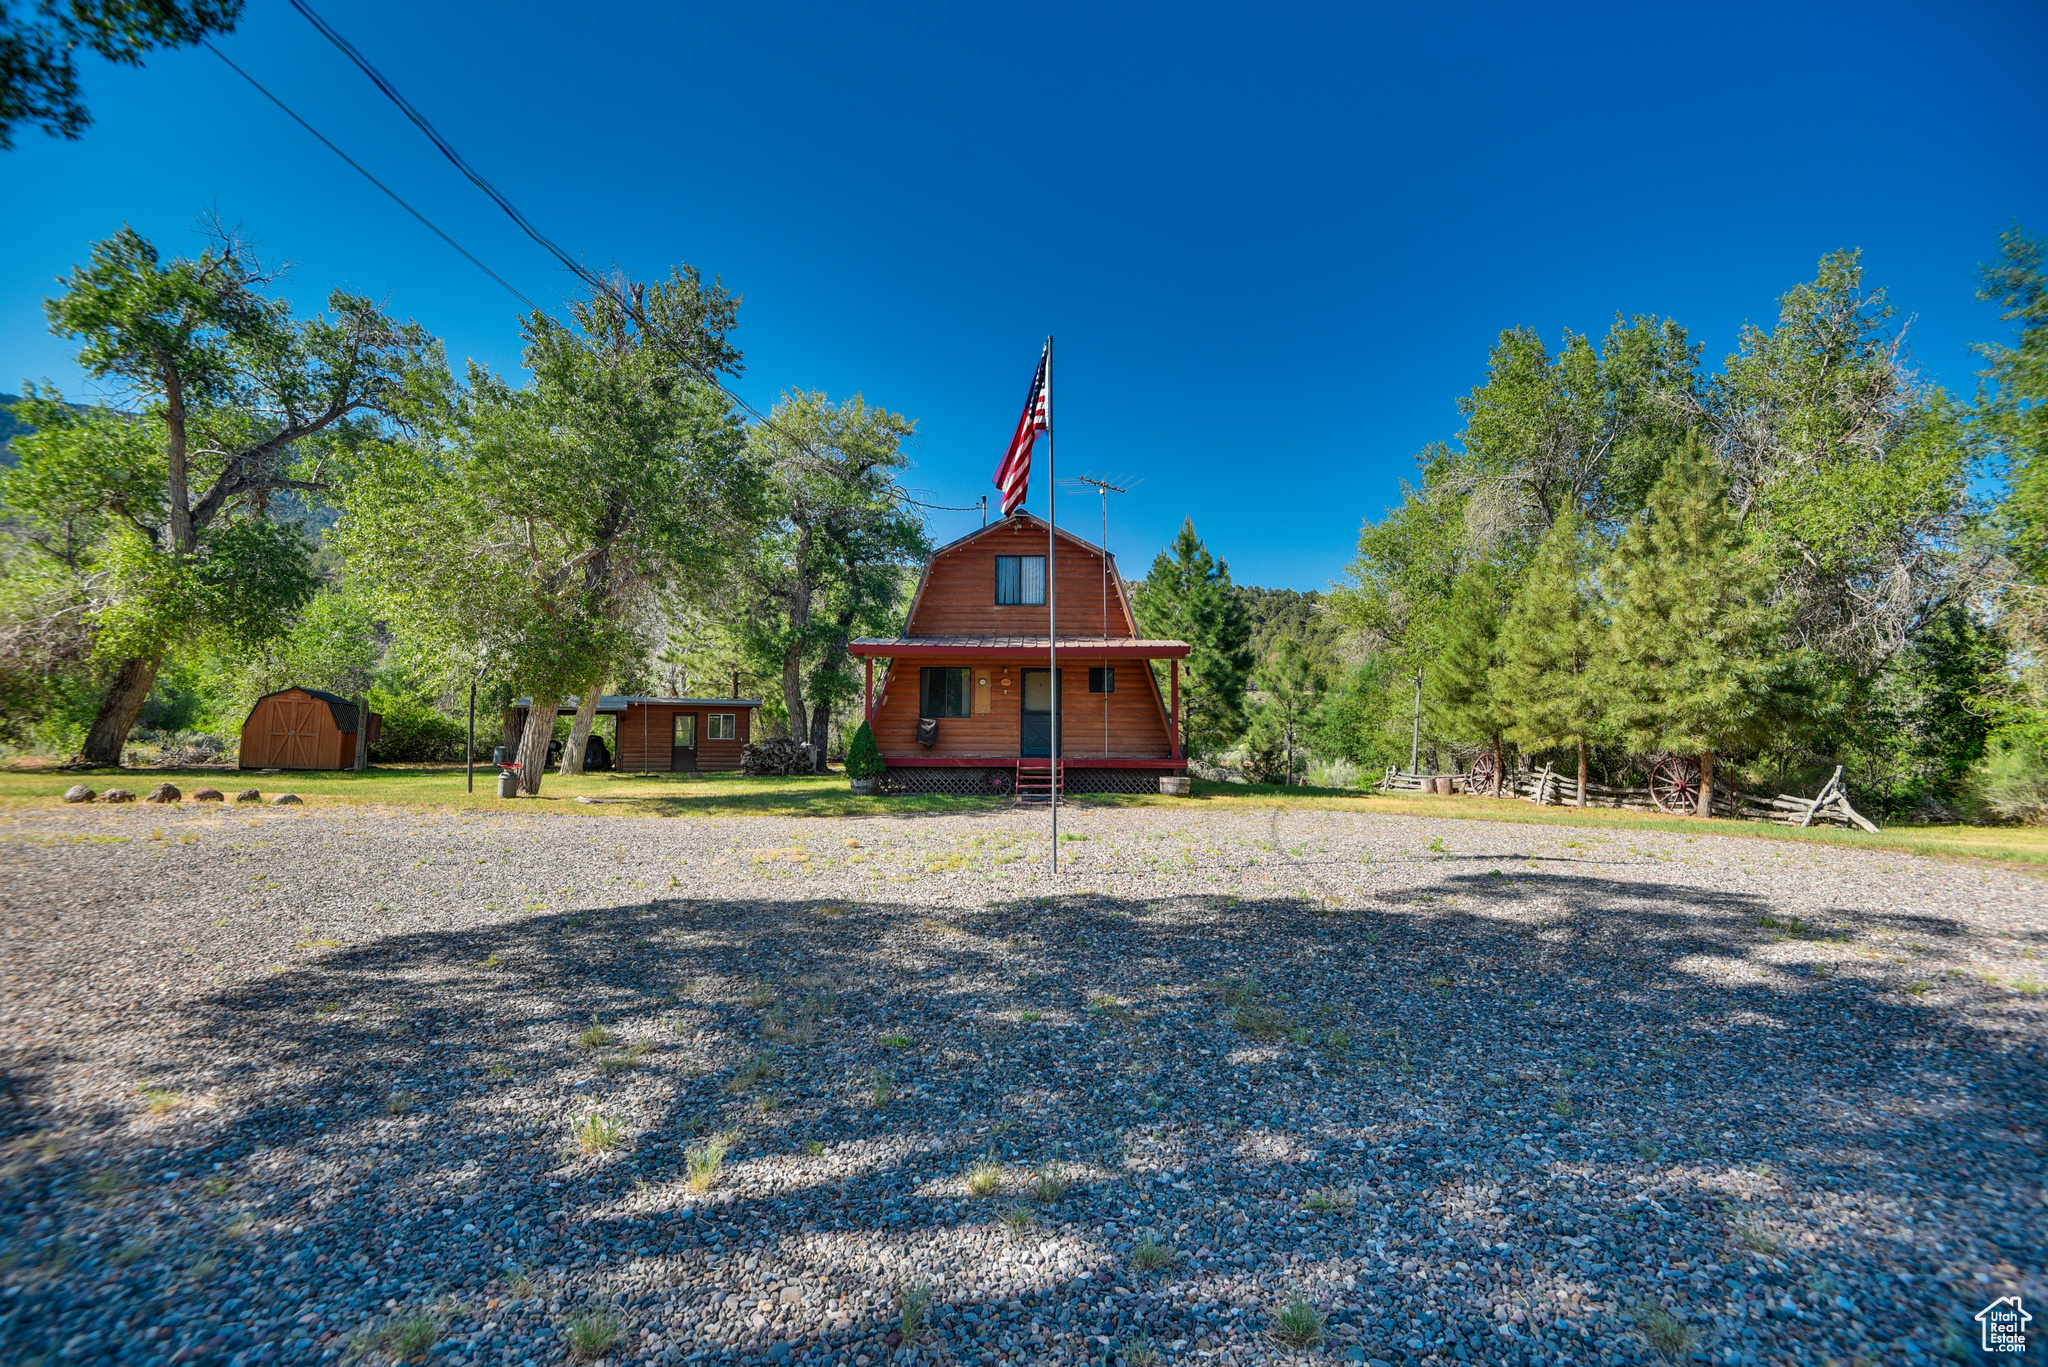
(441, 787)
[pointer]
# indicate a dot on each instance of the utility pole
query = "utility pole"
(1415, 737)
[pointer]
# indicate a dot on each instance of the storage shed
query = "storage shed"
(302, 728)
(664, 735)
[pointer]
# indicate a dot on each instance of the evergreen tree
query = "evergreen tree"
(1689, 663)
(1294, 683)
(1188, 597)
(1457, 681)
(1545, 684)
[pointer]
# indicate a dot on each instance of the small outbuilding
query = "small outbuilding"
(663, 735)
(303, 728)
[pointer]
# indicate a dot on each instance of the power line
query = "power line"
(367, 176)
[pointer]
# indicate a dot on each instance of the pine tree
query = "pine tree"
(1546, 684)
(1457, 681)
(1294, 684)
(1689, 663)
(1188, 597)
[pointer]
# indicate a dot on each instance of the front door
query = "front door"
(1036, 738)
(682, 756)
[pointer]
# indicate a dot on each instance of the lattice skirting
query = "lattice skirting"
(1001, 782)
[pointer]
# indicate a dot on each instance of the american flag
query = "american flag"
(1013, 476)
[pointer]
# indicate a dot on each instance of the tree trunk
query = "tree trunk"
(821, 733)
(361, 762)
(1497, 770)
(579, 731)
(1582, 771)
(1706, 783)
(118, 711)
(793, 692)
(533, 746)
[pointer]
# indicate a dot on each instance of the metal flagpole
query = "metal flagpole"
(1052, 635)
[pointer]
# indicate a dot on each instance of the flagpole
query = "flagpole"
(1052, 632)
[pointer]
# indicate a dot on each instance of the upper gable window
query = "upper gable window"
(1020, 579)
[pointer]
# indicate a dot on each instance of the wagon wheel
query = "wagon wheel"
(1479, 782)
(1675, 784)
(997, 782)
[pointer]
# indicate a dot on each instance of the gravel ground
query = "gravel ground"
(290, 1086)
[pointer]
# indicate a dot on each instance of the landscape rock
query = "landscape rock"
(249, 795)
(163, 792)
(117, 795)
(207, 795)
(286, 800)
(78, 792)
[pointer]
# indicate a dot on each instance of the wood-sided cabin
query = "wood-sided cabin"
(664, 735)
(965, 703)
(302, 728)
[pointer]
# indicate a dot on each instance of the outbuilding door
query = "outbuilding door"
(294, 727)
(1040, 696)
(683, 753)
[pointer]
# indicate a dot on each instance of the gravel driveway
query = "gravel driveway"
(289, 1086)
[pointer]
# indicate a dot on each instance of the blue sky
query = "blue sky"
(1274, 242)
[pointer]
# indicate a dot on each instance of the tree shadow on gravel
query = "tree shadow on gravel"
(398, 1119)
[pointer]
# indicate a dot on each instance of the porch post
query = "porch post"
(1174, 734)
(871, 690)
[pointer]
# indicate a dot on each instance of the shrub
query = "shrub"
(2012, 780)
(1333, 773)
(414, 732)
(863, 759)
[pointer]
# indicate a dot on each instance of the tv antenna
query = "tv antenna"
(1105, 489)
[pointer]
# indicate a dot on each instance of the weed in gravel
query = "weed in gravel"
(203, 1267)
(768, 1101)
(218, 1186)
(881, 1088)
(1646, 1151)
(1031, 1017)
(1336, 1041)
(814, 1147)
(1259, 1022)
(1150, 1255)
(592, 1332)
(108, 1184)
(407, 1334)
(1561, 1104)
(702, 1162)
(398, 1103)
(326, 1008)
(520, 1284)
(619, 1063)
(598, 1133)
(759, 994)
(240, 1225)
(596, 1037)
(913, 1307)
(1236, 991)
(1020, 1219)
(134, 1251)
(1665, 1333)
(895, 1041)
(501, 1070)
(160, 1100)
(493, 959)
(1918, 989)
(1050, 1183)
(1298, 1324)
(1750, 1230)
(1140, 1352)
(984, 1179)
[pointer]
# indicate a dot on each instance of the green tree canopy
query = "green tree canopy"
(1188, 596)
(1546, 683)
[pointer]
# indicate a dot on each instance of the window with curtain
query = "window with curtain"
(942, 693)
(1020, 579)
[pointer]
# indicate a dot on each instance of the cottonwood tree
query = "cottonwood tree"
(1545, 684)
(532, 526)
(233, 401)
(839, 538)
(39, 42)
(1691, 652)
(1188, 596)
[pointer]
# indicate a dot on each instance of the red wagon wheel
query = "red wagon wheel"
(1480, 781)
(1675, 784)
(997, 782)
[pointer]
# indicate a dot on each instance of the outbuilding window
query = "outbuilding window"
(1102, 678)
(1020, 580)
(719, 726)
(943, 693)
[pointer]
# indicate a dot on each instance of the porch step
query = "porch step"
(1035, 785)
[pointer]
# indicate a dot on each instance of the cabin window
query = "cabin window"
(1020, 579)
(1102, 678)
(944, 693)
(718, 726)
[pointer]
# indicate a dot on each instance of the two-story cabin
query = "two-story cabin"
(966, 701)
